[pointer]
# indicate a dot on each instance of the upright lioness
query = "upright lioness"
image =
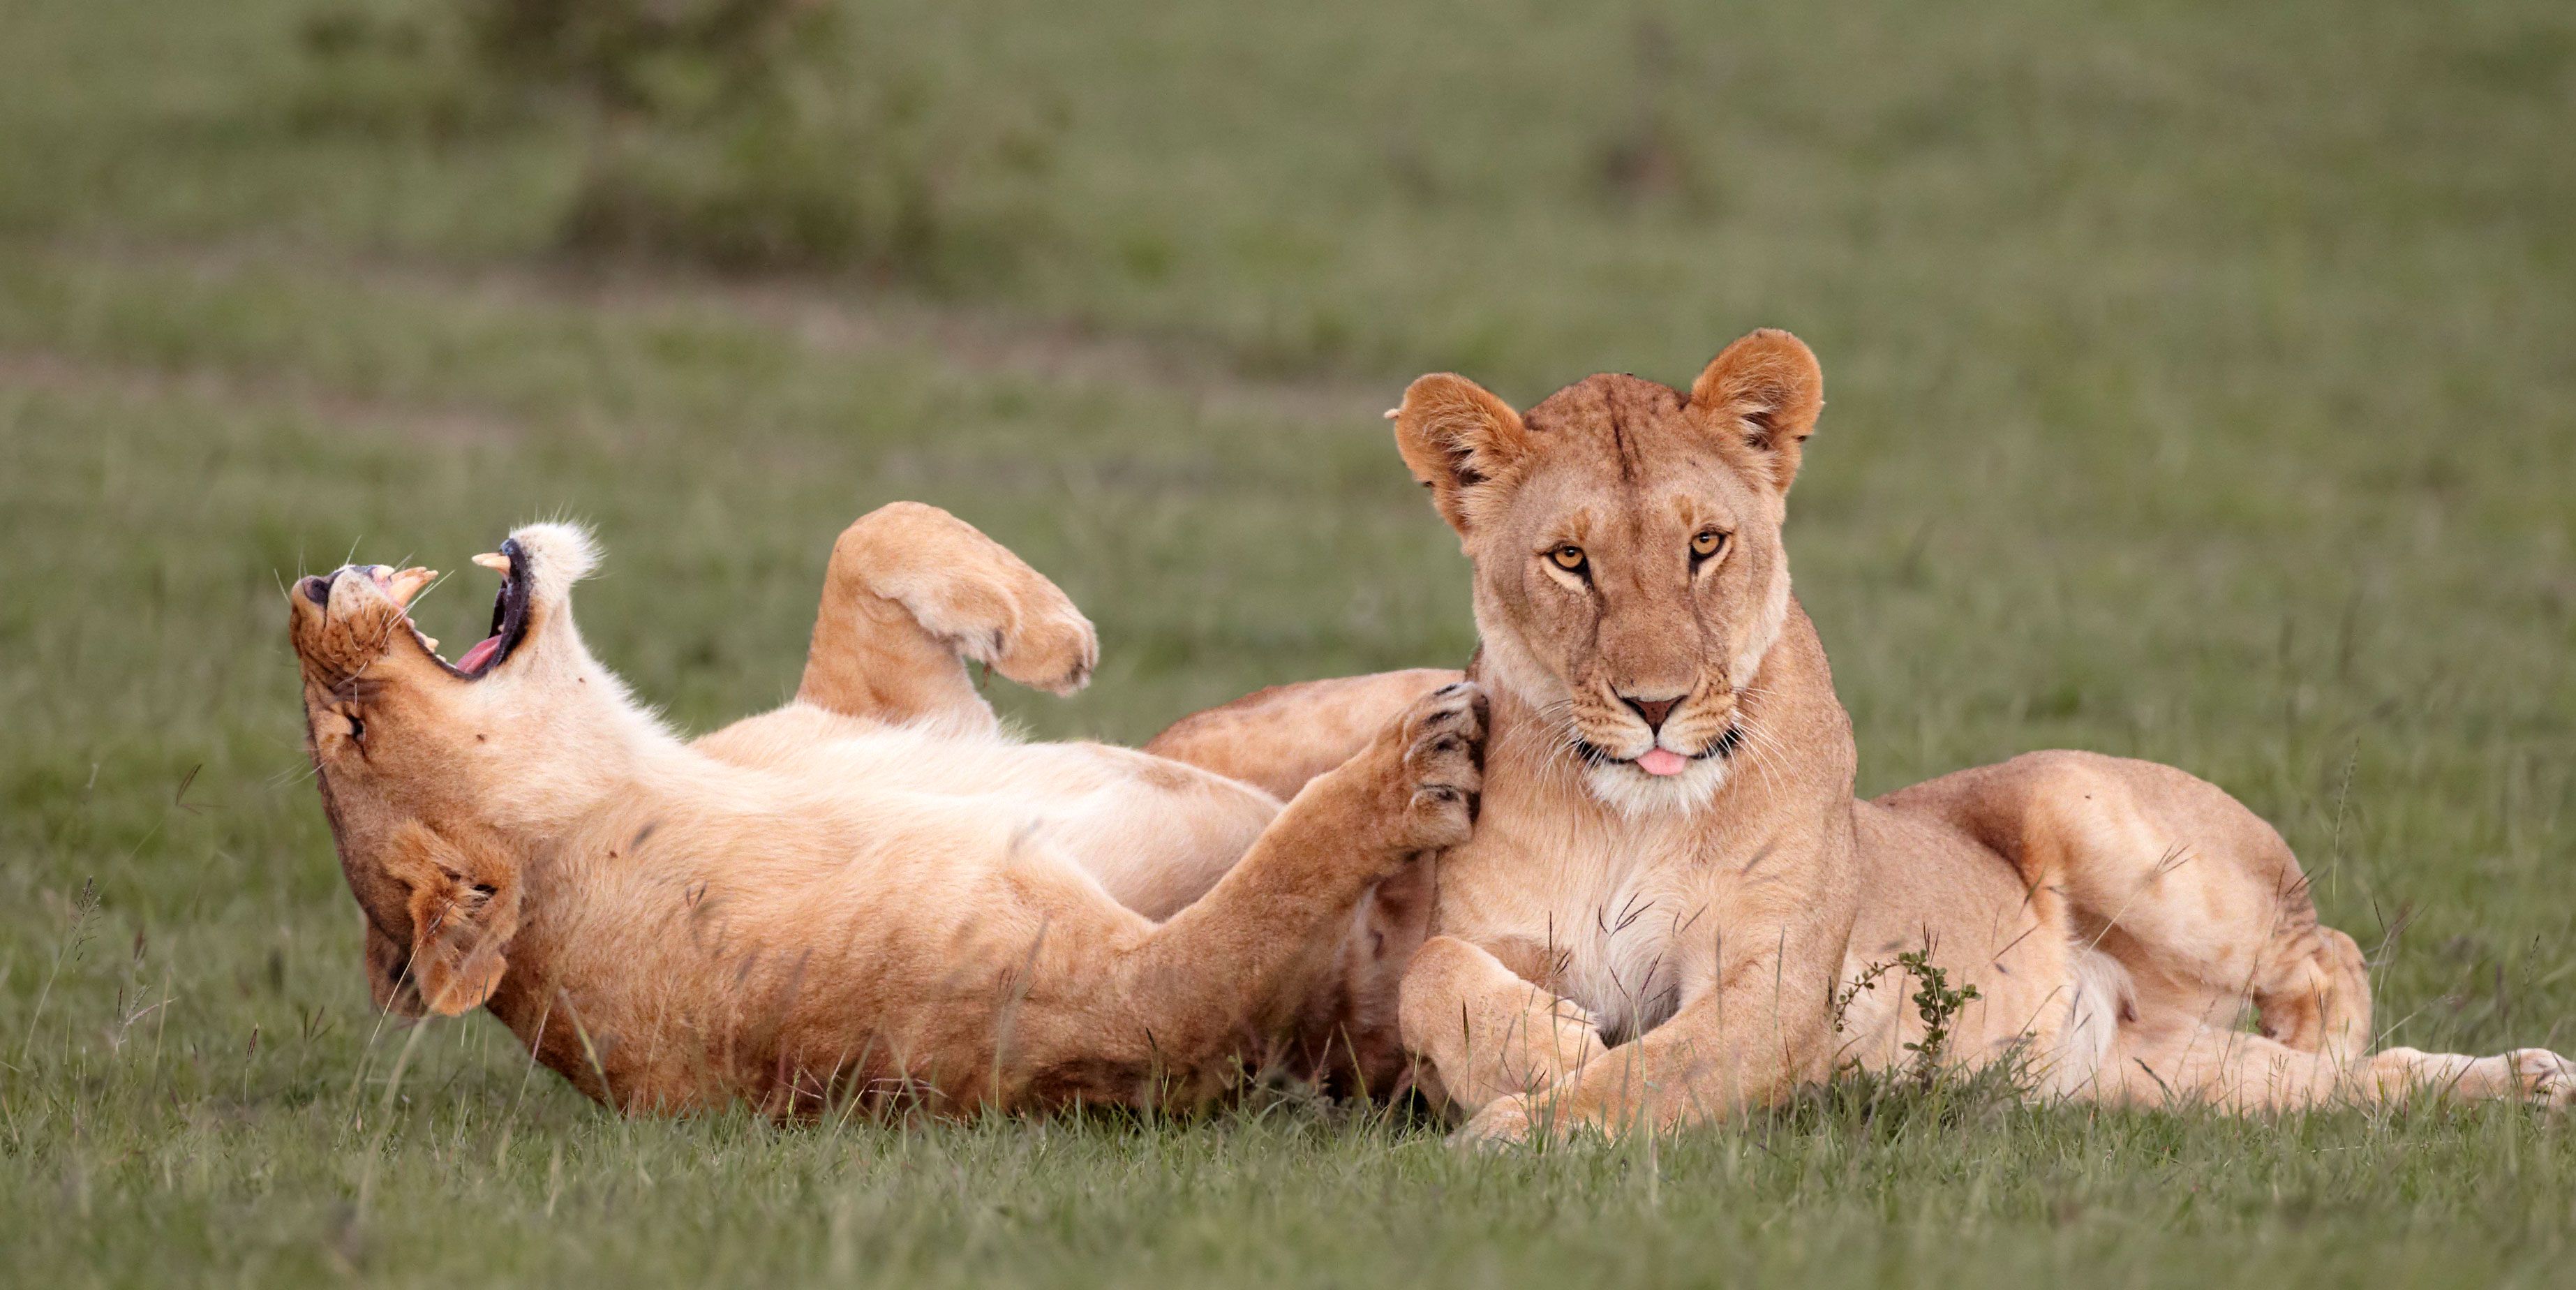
(1672, 906)
(870, 896)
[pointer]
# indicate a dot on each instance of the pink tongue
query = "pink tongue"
(485, 648)
(1660, 761)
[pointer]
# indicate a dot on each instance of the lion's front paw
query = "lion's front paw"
(1504, 1122)
(1443, 737)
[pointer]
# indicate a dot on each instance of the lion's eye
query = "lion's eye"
(357, 725)
(1568, 557)
(1707, 543)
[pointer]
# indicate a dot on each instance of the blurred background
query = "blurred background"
(2201, 386)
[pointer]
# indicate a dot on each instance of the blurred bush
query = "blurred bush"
(739, 134)
(377, 70)
(651, 60)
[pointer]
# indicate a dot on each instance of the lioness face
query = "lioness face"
(1629, 572)
(422, 762)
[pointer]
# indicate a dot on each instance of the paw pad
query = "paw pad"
(1444, 752)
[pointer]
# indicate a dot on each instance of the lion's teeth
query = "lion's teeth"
(494, 561)
(431, 642)
(407, 584)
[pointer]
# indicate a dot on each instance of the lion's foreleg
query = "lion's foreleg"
(1760, 1030)
(1487, 1033)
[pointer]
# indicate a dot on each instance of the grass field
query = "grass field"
(2202, 387)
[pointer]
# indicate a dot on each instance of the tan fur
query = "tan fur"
(1616, 949)
(870, 897)
(1246, 741)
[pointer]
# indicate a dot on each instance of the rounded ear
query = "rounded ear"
(464, 903)
(1765, 388)
(1460, 442)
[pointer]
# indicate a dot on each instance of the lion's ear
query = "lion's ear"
(1766, 388)
(464, 903)
(1460, 441)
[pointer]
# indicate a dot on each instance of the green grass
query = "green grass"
(2199, 390)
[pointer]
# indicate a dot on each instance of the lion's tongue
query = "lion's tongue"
(485, 648)
(1657, 761)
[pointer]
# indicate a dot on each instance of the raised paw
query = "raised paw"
(1051, 647)
(1443, 736)
(969, 595)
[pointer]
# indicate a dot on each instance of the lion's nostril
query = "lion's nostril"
(317, 589)
(1653, 710)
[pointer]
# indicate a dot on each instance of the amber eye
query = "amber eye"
(1568, 557)
(1708, 543)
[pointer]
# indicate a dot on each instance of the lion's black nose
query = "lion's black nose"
(317, 587)
(1653, 710)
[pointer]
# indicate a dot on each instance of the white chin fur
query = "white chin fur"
(1634, 793)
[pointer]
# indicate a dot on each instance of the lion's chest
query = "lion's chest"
(1625, 927)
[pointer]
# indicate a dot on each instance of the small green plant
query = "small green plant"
(1936, 1002)
(1860, 985)
(1938, 1005)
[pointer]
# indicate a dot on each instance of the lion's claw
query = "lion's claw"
(1443, 765)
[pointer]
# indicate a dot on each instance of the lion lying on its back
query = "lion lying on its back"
(1670, 891)
(870, 897)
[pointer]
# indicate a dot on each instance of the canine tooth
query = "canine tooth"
(406, 584)
(430, 641)
(494, 561)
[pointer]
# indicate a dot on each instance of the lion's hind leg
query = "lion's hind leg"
(913, 594)
(2201, 901)
(2205, 908)
(2314, 995)
(2235, 1071)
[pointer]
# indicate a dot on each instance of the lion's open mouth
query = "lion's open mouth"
(509, 612)
(509, 607)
